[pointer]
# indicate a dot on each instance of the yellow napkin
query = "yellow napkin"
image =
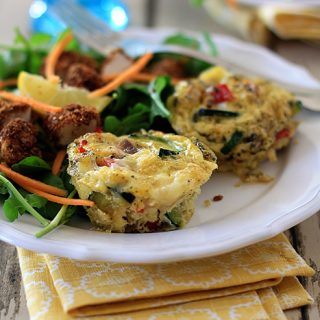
(257, 282)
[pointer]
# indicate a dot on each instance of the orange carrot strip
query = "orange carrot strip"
(123, 76)
(8, 82)
(37, 106)
(58, 162)
(26, 181)
(53, 198)
(142, 76)
(53, 57)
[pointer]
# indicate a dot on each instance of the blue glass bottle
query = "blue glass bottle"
(113, 12)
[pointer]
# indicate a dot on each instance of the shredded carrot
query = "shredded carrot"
(232, 4)
(53, 198)
(142, 76)
(8, 82)
(23, 181)
(53, 57)
(123, 76)
(58, 162)
(37, 106)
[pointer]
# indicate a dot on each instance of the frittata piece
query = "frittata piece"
(142, 182)
(243, 120)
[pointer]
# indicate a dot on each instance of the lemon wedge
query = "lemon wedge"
(40, 89)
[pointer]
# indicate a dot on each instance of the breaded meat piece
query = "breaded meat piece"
(68, 58)
(17, 141)
(81, 76)
(167, 66)
(143, 182)
(72, 122)
(115, 62)
(12, 110)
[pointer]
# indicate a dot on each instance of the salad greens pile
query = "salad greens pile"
(136, 106)
(17, 201)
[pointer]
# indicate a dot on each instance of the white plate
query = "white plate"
(246, 214)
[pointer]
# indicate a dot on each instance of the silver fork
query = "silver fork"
(87, 28)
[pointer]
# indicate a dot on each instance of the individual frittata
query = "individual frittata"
(243, 120)
(143, 182)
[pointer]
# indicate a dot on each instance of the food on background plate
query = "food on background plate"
(243, 120)
(143, 182)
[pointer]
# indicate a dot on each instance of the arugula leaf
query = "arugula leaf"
(16, 204)
(66, 178)
(183, 40)
(157, 88)
(62, 217)
(31, 165)
(12, 208)
(52, 180)
(36, 201)
(137, 106)
(50, 210)
(126, 97)
(33, 199)
(137, 118)
(210, 43)
(71, 211)
(40, 40)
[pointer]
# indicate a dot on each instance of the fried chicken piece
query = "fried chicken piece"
(167, 66)
(72, 122)
(67, 59)
(81, 76)
(17, 141)
(116, 62)
(12, 110)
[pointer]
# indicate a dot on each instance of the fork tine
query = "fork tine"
(92, 23)
(85, 26)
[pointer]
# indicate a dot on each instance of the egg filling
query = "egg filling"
(142, 182)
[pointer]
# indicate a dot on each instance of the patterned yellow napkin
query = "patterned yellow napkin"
(257, 282)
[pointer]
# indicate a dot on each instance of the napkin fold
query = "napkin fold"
(257, 282)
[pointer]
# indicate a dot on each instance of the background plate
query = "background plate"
(247, 214)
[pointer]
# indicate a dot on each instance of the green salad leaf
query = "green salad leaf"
(31, 165)
(137, 118)
(36, 201)
(53, 180)
(64, 215)
(210, 43)
(12, 208)
(183, 40)
(159, 89)
(136, 106)
(16, 204)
